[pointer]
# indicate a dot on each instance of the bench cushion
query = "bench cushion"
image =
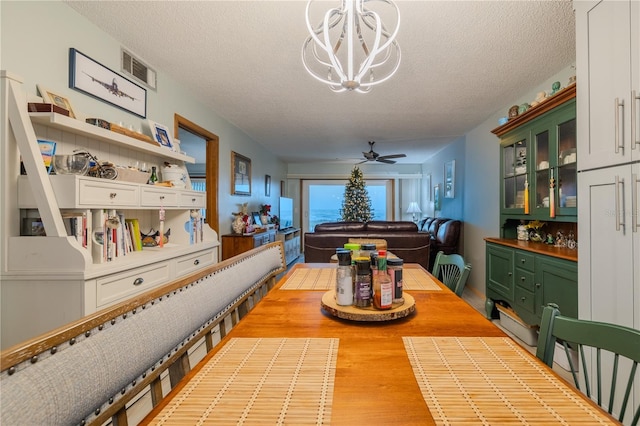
(69, 386)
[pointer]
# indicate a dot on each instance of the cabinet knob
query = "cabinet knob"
(138, 281)
(523, 298)
(196, 262)
(193, 200)
(522, 261)
(162, 197)
(522, 279)
(510, 273)
(538, 285)
(112, 195)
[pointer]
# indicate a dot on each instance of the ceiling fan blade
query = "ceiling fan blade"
(384, 160)
(363, 161)
(392, 156)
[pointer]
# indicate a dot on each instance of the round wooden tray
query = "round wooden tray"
(368, 314)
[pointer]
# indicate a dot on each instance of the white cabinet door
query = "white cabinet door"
(606, 58)
(606, 259)
(635, 210)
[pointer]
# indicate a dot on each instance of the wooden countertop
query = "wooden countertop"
(540, 248)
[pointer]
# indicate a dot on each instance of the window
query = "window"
(322, 201)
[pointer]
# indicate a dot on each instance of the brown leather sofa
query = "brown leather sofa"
(403, 239)
(445, 235)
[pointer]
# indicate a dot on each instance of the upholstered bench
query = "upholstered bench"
(90, 370)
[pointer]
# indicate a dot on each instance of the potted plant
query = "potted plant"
(264, 213)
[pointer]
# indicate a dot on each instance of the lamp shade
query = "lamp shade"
(413, 208)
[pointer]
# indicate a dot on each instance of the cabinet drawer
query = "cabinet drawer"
(525, 299)
(116, 287)
(101, 194)
(193, 200)
(193, 262)
(262, 239)
(155, 197)
(525, 279)
(524, 260)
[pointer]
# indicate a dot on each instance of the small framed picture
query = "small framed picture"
(256, 219)
(436, 197)
(161, 134)
(449, 179)
(267, 185)
(50, 97)
(240, 174)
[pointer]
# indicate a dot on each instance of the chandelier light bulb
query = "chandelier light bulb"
(352, 49)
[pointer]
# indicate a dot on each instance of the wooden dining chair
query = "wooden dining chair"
(621, 343)
(452, 271)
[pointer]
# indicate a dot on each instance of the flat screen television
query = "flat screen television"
(286, 212)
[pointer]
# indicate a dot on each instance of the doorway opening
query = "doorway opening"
(204, 146)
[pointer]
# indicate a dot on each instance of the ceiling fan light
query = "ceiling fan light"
(349, 44)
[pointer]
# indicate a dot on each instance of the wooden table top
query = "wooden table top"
(374, 379)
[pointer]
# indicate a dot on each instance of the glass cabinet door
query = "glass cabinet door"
(514, 175)
(543, 169)
(567, 168)
(554, 154)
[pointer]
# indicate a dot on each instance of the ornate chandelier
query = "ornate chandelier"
(351, 49)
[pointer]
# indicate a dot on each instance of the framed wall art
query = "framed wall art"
(94, 79)
(436, 198)
(161, 134)
(50, 97)
(240, 174)
(449, 179)
(267, 185)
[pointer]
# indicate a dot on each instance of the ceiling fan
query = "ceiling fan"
(374, 156)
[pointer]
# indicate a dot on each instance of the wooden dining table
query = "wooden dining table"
(289, 361)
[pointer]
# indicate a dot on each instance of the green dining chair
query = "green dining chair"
(452, 271)
(621, 343)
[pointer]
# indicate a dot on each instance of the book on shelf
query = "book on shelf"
(134, 231)
(78, 225)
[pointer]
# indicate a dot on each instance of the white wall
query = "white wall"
(35, 41)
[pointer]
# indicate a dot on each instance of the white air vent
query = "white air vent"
(138, 70)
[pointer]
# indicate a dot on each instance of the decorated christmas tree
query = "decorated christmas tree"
(356, 206)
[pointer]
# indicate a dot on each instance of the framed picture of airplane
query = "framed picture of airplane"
(94, 79)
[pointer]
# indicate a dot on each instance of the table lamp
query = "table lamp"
(413, 209)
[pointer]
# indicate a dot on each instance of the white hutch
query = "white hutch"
(48, 281)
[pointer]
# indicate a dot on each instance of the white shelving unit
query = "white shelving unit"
(291, 240)
(47, 281)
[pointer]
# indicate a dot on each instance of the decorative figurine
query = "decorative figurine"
(571, 241)
(549, 239)
(513, 112)
(555, 88)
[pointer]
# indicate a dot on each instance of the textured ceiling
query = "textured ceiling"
(461, 62)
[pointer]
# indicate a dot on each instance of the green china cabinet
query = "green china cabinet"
(538, 162)
(538, 181)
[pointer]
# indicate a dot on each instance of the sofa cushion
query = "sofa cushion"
(448, 235)
(340, 227)
(435, 225)
(384, 226)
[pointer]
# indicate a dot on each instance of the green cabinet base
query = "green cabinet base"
(527, 281)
